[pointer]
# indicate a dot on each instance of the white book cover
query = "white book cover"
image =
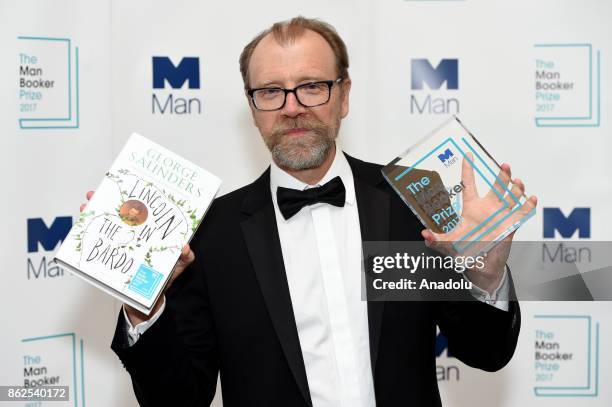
(130, 235)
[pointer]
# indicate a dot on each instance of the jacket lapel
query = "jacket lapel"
(263, 244)
(373, 205)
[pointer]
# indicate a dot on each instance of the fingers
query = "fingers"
(88, 195)
(467, 178)
(185, 259)
(429, 236)
(529, 205)
(501, 181)
(517, 190)
(437, 242)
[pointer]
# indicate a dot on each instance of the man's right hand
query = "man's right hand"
(186, 258)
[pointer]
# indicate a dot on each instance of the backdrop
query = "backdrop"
(530, 79)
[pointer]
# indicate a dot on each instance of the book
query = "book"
(130, 235)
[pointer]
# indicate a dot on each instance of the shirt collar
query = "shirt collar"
(339, 168)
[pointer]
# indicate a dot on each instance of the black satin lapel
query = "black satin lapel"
(373, 205)
(263, 243)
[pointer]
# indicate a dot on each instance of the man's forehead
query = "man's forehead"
(308, 56)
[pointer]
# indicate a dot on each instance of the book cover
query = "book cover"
(130, 235)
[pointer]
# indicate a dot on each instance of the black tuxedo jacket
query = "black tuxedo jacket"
(231, 312)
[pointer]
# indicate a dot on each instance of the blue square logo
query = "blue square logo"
(145, 281)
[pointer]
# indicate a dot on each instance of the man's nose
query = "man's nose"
(292, 107)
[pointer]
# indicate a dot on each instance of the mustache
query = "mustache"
(299, 123)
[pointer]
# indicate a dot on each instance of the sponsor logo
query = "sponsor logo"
(164, 71)
(42, 241)
(566, 356)
(48, 95)
(170, 95)
(578, 222)
(448, 158)
(55, 360)
(442, 80)
(446, 71)
(446, 369)
(567, 85)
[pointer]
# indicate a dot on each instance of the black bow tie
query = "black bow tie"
(290, 201)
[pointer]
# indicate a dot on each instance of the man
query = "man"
(270, 295)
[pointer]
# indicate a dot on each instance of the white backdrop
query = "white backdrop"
(57, 141)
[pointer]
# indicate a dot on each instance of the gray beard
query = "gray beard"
(302, 156)
(305, 152)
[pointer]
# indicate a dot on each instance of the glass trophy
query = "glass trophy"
(458, 190)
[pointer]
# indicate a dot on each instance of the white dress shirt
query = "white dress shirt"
(321, 247)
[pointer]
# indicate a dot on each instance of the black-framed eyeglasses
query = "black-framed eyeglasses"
(309, 94)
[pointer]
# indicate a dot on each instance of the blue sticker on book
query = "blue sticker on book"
(145, 281)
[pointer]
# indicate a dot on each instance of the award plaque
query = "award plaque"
(457, 189)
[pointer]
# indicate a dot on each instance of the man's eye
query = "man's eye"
(269, 93)
(313, 87)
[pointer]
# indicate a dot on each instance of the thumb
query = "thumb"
(186, 258)
(430, 237)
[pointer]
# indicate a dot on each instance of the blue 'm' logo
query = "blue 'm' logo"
(446, 71)
(188, 70)
(579, 219)
(446, 155)
(48, 237)
(442, 345)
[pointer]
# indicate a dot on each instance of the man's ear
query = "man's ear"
(345, 86)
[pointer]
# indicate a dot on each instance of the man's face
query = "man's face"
(298, 137)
